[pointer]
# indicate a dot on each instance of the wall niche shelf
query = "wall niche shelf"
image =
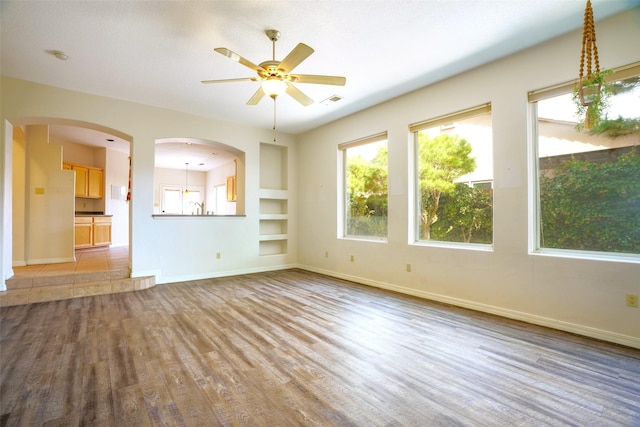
(274, 200)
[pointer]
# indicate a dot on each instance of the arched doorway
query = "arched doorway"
(36, 199)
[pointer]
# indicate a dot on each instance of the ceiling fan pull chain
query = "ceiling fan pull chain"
(274, 119)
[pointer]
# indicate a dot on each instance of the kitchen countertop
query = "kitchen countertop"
(91, 214)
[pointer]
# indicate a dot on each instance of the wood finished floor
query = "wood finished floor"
(294, 348)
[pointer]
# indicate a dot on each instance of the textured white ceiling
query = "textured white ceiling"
(157, 52)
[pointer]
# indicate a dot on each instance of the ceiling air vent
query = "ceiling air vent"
(331, 99)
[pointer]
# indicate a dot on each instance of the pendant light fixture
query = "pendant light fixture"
(186, 178)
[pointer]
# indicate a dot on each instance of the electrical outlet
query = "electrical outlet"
(408, 268)
(218, 255)
(632, 300)
(353, 258)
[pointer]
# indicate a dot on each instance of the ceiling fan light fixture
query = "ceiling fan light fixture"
(274, 87)
(275, 76)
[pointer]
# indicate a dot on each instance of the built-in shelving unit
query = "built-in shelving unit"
(274, 200)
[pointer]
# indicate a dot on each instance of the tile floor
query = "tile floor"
(87, 261)
(95, 272)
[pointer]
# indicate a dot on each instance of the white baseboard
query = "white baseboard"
(587, 331)
(50, 260)
(215, 274)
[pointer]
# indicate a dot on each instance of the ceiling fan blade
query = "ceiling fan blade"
(235, 57)
(297, 94)
(295, 57)
(321, 80)
(242, 79)
(256, 97)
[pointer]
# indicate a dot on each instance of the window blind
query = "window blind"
(362, 141)
(449, 118)
(620, 73)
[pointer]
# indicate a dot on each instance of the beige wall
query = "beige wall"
(580, 295)
(176, 249)
(50, 200)
(18, 197)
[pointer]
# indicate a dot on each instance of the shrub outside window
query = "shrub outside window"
(454, 177)
(365, 187)
(588, 181)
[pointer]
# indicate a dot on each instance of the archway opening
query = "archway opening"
(198, 176)
(44, 205)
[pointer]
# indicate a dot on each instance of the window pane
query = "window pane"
(589, 180)
(454, 164)
(172, 201)
(366, 190)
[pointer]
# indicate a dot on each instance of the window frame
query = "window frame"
(535, 213)
(343, 202)
(415, 201)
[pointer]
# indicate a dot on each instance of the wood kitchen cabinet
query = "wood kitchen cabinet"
(94, 184)
(89, 181)
(82, 178)
(83, 227)
(92, 231)
(101, 230)
(231, 189)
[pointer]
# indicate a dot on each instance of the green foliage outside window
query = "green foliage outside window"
(451, 211)
(465, 215)
(367, 205)
(592, 206)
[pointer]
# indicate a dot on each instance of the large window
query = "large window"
(588, 180)
(365, 187)
(177, 201)
(454, 177)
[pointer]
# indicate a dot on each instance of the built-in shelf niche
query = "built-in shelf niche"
(273, 167)
(273, 247)
(274, 200)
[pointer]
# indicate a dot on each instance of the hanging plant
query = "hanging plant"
(592, 93)
(592, 97)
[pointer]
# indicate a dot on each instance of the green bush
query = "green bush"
(592, 206)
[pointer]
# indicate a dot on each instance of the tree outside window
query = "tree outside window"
(454, 175)
(366, 203)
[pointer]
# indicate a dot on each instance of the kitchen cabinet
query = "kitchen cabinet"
(83, 227)
(89, 181)
(101, 230)
(92, 231)
(94, 184)
(231, 188)
(82, 178)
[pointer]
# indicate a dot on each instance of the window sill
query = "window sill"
(482, 247)
(365, 239)
(587, 255)
(179, 216)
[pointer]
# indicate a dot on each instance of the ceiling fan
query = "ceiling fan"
(276, 75)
